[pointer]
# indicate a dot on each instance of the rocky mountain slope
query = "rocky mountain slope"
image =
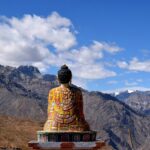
(23, 94)
(138, 100)
(123, 127)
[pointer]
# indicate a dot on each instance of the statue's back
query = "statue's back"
(65, 110)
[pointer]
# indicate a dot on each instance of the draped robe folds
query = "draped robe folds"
(65, 110)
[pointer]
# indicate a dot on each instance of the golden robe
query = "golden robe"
(65, 110)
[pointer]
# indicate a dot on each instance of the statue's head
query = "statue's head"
(64, 74)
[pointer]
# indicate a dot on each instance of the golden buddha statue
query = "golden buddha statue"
(65, 106)
(65, 127)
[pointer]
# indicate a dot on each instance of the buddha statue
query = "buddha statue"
(66, 127)
(65, 106)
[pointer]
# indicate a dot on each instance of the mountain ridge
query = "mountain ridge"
(25, 96)
(137, 100)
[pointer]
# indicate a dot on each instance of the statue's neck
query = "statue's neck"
(66, 85)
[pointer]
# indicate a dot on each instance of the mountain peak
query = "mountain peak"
(131, 91)
(126, 91)
(29, 70)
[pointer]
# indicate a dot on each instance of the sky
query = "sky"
(105, 43)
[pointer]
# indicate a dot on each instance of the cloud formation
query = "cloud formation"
(86, 61)
(51, 41)
(135, 65)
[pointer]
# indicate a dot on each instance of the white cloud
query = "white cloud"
(86, 61)
(26, 40)
(109, 47)
(49, 41)
(127, 83)
(133, 82)
(122, 64)
(133, 88)
(135, 65)
(80, 82)
(91, 71)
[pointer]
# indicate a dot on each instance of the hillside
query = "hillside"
(138, 100)
(23, 94)
(17, 132)
(115, 121)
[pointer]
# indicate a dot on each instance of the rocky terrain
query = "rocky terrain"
(23, 94)
(138, 100)
(115, 121)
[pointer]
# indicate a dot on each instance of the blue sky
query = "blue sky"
(104, 42)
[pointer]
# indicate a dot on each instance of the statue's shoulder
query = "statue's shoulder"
(76, 89)
(55, 89)
(72, 87)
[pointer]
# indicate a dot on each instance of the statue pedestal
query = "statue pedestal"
(69, 136)
(97, 145)
(85, 140)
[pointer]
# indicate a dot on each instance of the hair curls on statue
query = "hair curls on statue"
(64, 74)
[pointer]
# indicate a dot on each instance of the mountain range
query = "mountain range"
(138, 100)
(24, 91)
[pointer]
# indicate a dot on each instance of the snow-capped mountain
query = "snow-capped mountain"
(138, 100)
(120, 92)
